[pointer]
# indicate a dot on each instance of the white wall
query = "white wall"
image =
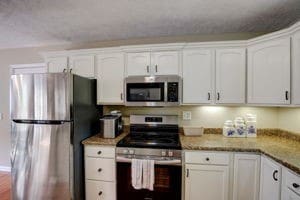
(206, 116)
(289, 119)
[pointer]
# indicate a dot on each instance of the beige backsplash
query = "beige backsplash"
(206, 116)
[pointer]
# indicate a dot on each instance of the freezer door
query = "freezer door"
(41, 96)
(41, 160)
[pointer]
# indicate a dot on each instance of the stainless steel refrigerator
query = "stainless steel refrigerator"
(51, 114)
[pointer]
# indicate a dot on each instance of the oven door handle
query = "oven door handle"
(157, 162)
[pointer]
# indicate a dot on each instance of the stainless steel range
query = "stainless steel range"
(151, 137)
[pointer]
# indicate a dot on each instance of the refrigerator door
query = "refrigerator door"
(41, 96)
(41, 161)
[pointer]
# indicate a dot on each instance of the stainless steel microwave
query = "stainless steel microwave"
(164, 90)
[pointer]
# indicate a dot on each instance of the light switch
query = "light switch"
(186, 115)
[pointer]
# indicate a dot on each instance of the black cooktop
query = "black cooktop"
(157, 140)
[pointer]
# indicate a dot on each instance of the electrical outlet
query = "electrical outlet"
(186, 115)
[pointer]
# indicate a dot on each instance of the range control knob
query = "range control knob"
(163, 153)
(131, 151)
(170, 153)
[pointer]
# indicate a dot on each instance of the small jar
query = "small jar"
(228, 129)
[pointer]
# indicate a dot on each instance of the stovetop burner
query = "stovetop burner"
(145, 134)
(151, 141)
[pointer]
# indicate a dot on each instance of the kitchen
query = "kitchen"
(165, 87)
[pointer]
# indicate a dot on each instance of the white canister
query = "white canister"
(251, 125)
(228, 129)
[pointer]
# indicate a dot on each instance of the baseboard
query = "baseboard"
(4, 169)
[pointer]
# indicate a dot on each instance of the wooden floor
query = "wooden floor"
(5, 186)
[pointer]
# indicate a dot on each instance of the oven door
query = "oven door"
(167, 183)
(145, 94)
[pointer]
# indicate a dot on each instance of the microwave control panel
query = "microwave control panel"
(173, 92)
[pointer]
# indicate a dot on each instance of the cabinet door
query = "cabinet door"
(138, 64)
(197, 74)
(83, 65)
(246, 177)
(230, 76)
(209, 182)
(269, 72)
(57, 64)
(270, 179)
(296, 68)
(28, 69)
(110, 78)
(165, 63)
(288, 194)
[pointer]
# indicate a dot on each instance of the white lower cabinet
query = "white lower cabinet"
(210, 180)
(290, 185)
(100, 169)
(246, 177)
(270, 179)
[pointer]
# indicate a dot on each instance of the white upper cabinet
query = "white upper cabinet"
(296, 68)
(155, 63)
(197, 72)
(231, 75)
(57, 64)
(110, 76)
(246, 177)
(138, 64)
(82, 65)
(270, 180)
(165, 63)
(269, 72)
(28, 68)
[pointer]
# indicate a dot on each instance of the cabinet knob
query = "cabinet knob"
(295, 185)
(148, 69)
(64, 70)
(208, 95)
(99, 170)
(100, 193)
(99, 152)
(218, 96)
(155, 68)
(121, 95)
(207, 159)
(71, 70)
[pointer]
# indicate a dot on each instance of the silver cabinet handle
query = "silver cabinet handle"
(286, 95)
(148, 69)
(208, 94)
(218, 96)
(155, 68)
(121, 95)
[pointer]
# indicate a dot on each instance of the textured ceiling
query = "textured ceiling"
(44, 22)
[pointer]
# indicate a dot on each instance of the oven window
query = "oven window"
(167, 184)
(145, 92)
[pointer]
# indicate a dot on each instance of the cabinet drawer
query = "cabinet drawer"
(99, 151)
(207, 158)
(100, 190)
(292, 181)
(100, 169)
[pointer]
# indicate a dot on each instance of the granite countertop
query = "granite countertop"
(285, 150)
